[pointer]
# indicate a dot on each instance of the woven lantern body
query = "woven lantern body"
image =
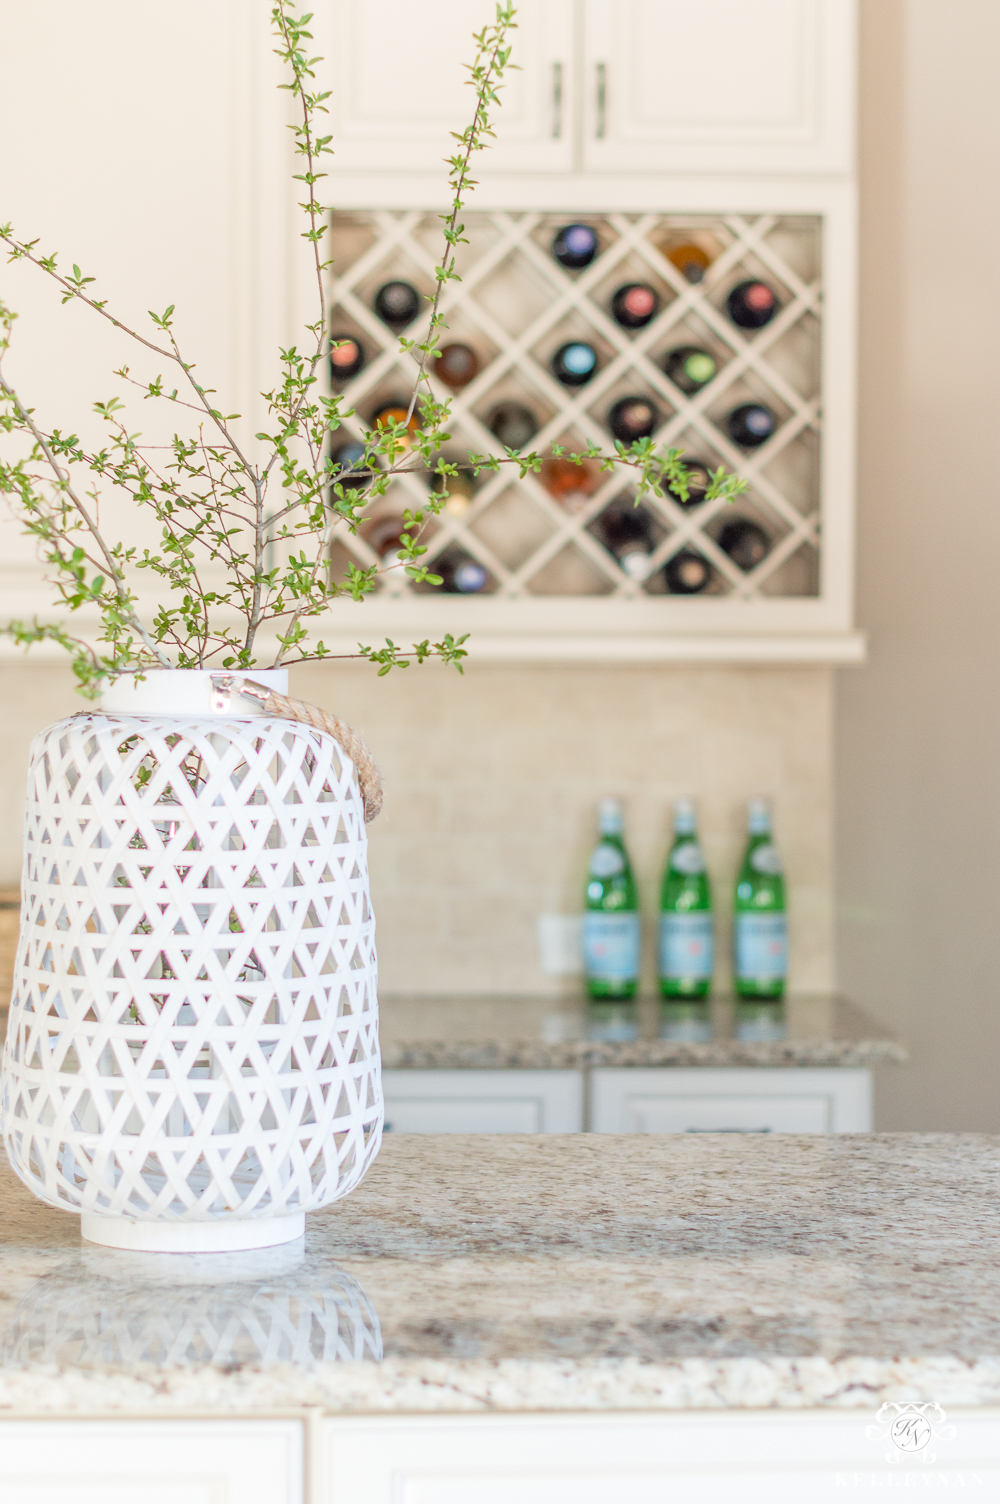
(192, 1057)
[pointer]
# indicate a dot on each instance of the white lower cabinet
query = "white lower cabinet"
(726, 1457)
(151, 1462)
(693, 1100)
(504, 1101)
(665, 1100)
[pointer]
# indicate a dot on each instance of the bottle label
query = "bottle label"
(762, 946)
(767, 859)
(607, 861)
(687, 945)
(687, 857)
(611, 946)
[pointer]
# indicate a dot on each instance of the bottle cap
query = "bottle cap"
(758, 817)
(685, 822)
(610, 820)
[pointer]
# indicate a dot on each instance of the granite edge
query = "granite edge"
(508, 1385)
(582, 1055)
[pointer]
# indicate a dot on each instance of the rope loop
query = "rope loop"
(285, 708)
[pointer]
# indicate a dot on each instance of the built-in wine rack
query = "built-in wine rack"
(515, 306)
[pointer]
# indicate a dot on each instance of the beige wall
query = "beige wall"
(492, 781)
(918, 811)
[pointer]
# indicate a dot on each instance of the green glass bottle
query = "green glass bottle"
(687, 945)
(760, 923)
(611, 919)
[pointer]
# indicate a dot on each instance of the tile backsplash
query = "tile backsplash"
(492, 781)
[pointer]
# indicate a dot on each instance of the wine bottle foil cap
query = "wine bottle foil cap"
(579, 239)
(758, 817)
(758, 295)
(610, 819)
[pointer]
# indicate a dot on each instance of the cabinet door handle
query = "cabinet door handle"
(557, 101)
(602, 101)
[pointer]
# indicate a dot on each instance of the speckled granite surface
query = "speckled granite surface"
(544, 1273)
(476, 1033)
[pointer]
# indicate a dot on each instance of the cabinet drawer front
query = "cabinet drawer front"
(151, 1462)
(507, 1101)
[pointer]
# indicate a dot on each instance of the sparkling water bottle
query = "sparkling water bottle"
(760, 923)
(687, 942)
(611, 919)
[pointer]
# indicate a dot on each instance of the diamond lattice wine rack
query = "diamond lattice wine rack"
(558, 580)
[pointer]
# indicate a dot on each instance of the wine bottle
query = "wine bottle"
(395, 412)
(627, 532)
(751, 424)
(752, 304)
(686, 573)
(384, 535)
(635, 304)
(572, 485)
(573, 364)
(760, 921)
(611, 920)
(690, 260)
(348, 459)
(397, 303)
(687, 945)
(698, 482)
(456, 365)
(575, 246)
(458, 489)
(690, 368)
(346, 357)
(744, 542)
(513, 425)
(633, 418)
(460, 574)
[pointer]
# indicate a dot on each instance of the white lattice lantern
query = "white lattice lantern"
(192, 1056)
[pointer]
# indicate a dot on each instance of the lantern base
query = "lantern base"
(226, 1235)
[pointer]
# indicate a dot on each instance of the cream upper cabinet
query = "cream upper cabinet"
(399, 85)
(718, 86)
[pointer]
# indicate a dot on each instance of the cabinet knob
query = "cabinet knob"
(557, 100)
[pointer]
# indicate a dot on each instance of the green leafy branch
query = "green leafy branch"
(244, 541)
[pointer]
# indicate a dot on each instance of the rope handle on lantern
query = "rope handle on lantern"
(285, 708)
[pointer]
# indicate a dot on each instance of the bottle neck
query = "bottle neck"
(758, 819)
(685, 820)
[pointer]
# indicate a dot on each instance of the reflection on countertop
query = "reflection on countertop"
(106, 1309)
(475, 1032)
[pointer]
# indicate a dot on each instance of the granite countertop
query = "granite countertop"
(543, 1273)
(455, 1033)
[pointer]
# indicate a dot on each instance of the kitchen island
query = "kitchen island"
(655, 1280)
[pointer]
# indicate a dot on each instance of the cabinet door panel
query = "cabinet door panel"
(728, 1114)
(737, 1100)
(720, 1458)
(400, 86)
(150, 1462)
(507, 1101)
(720, 86)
